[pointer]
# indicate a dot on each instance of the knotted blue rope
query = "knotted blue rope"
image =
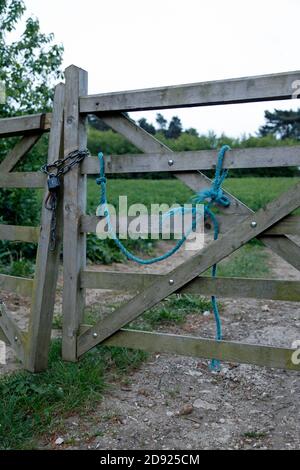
(211, 196)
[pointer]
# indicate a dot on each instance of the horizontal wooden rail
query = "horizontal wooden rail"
(33, 180)
(22, 125)
(290, 225)
(238, 90)
(272, 289)
(18, 285)
(227, 351)
(19, 233)
(265, 157)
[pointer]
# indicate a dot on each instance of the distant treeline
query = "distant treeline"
(100, 137)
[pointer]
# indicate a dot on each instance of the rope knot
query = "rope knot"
(219, 197)
(101, 180)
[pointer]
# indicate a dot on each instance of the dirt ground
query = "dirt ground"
(177, 402)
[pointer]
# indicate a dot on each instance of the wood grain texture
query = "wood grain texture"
(47, 262)
(32, 180)
(19, 233)
(75, 137)
(18, 285)
(10, 127)
(227, 351)
(12, 333)
(271, 289)
(18, 152)
(237, 90)
(265, 157)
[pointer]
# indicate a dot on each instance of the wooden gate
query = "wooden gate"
(238, 223)
(32, 346)
(273, 224)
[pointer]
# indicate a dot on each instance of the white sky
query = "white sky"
(129, 44)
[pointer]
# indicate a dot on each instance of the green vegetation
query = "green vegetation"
(30, 65)
(249, 261)
(255, 192)
(32, 404)
(255, 434)
(173, 310)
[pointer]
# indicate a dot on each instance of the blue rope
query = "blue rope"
(213, 195)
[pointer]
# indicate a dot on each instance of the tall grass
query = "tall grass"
(32, 404)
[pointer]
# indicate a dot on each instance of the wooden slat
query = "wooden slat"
(190, 269)
(75, 190)
(88, 224)
(227, 351)
(289, 226)
(31, 180)
(47, 263)
(18, 285)
(238, 90)
(273, 289)
(12, 333)
(18, 152)
(265, 157)
(22, 125)
(285, 248)
(19, 233)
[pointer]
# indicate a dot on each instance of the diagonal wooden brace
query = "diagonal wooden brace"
(12, 333)
(250, 228)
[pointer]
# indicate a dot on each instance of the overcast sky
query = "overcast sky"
(130, 44)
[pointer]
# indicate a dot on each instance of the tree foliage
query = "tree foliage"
(282, 124)
(144, 124)
(29, 65)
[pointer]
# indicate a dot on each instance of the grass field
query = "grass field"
(255, 192)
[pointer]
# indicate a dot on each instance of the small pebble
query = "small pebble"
(186, 410)
(59, 441)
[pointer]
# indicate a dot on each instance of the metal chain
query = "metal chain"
(66, 164)
(55, 171)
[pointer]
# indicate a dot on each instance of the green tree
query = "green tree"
(144, 124)
(282, 124)
(175, 128)
(29, 68)
(30, 65)
(161, 121)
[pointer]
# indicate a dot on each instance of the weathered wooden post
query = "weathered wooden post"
(75, 138)
(47, 264)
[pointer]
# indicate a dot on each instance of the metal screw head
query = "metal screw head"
(253, 224)
(171, 162)
(95, 335)
(171, 282)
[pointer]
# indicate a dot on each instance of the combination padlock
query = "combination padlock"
(53, 182)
